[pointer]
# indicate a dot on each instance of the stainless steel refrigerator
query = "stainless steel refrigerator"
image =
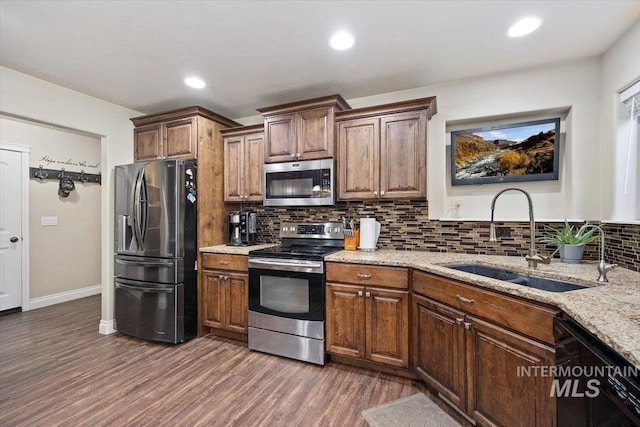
(155, 250)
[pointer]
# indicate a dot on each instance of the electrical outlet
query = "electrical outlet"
(49, 220)
(503, 232)
(454, 208)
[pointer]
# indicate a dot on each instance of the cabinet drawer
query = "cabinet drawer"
(523, 316)
(368, 275)
(224, 262)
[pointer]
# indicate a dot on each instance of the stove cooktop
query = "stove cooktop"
(305, 241)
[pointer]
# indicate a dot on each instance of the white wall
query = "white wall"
(620, 67)
(66, 257)
(571, 87)
(31, 98)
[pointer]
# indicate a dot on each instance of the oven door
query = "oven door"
(287, 288)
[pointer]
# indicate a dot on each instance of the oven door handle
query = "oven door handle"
(287, 265)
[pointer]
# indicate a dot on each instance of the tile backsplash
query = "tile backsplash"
(405, 225)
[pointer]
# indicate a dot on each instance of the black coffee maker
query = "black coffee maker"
(242, 228)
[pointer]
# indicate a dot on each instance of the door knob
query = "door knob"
(13, 239)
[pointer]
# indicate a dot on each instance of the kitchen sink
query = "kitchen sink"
(537, 282)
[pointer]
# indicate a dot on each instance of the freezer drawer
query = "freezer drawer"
(153, 312)
(160, 270)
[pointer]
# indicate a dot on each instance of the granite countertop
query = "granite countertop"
(611, 311)
(235, 250)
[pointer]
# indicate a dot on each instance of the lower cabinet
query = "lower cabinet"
(369, 323)
(224, 294)
(225, 300)
(477, 363)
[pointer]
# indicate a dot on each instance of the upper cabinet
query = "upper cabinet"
(382, 150)
(243, 159)
(176, 134)
(301, 130)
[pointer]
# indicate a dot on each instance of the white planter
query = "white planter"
(571, 254)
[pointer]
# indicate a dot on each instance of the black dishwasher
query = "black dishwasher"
(595, 386)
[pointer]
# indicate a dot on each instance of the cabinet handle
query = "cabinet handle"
(463, 299)
(363, 276)
(297, 155)
(293, 155)
(459, 321)
(375, 193)
(223, 262)
(221, 277)
(467, 325)
(226, 277)
(359, 293)
(368, 294)
(382, 193)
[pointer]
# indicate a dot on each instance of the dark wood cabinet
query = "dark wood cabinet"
(439, 348)
(243, 160)
(176, 134)
(223, 295)
(382, 151)
(368, 313)
(470, 345)
(301, 130)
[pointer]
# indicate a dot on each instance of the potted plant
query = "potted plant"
(570, 241)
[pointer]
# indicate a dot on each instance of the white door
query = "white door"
(10, 229)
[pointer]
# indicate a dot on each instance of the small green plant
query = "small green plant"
(569, 235)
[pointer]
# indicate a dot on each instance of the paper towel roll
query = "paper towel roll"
(369, 233)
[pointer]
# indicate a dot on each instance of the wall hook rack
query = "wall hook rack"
(42, 174)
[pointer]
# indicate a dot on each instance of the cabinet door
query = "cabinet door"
(181, 139)
(438, 348)
(403, 143)
(233, 168)
(213, 299)
(147, 142)
(358, 160)
(387, 321)
(315, 134)
(253, 160)
(494, 355)
(237, 309)
(280, 138)
(345, 320)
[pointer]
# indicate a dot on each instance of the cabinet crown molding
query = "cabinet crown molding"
(182, 113)
(326, 101)
(242, 130)
(428, 104)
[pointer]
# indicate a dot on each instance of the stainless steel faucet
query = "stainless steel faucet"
(534, 257)
(603, 267)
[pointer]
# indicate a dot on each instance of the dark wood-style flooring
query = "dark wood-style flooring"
(56, 369)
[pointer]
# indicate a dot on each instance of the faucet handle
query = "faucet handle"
(603, 268)
(536, 258)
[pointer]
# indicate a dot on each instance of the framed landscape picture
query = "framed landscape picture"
(525, 151)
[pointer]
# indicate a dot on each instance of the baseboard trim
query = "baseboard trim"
(107, 327)
(64, 296)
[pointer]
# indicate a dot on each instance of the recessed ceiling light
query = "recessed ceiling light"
(194, 82)
(341, 41)
(524, 27)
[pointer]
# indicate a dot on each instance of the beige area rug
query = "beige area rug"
(414, 411)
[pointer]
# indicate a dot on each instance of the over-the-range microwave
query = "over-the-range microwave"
(305, 183)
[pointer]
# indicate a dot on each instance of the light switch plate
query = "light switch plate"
(49, 220)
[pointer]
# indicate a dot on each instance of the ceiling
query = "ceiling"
(255, 54)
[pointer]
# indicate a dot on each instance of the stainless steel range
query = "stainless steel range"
(287, 291)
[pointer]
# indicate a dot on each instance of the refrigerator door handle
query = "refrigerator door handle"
(167, 263)
(153, 290)
(136, 209)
